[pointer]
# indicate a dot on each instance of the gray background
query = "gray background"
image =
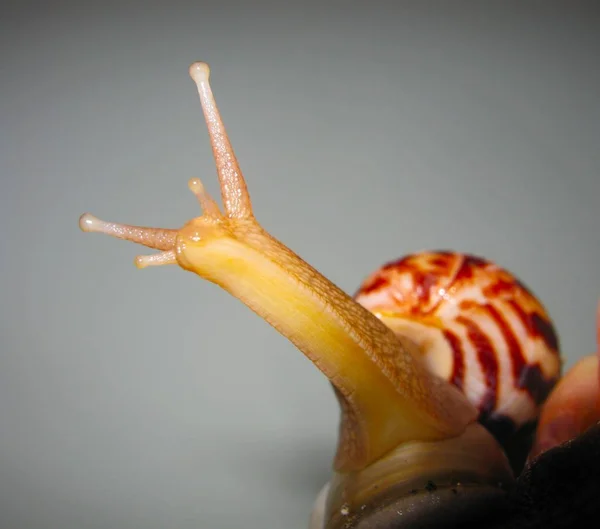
(152, 399)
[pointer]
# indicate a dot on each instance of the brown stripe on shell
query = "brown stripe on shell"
(423, 281)
(514, 348)
(500, 287)
(374, 283)
(536, 383)
(528, 377)
(537, 325)
(425, 270)
(545, 330)
(458, 361)
(486, 355)
(468, 267)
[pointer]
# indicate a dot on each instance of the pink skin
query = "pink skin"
(574, 404)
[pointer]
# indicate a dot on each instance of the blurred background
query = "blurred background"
(366, 130)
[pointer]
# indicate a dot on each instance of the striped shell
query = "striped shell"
(476, 326)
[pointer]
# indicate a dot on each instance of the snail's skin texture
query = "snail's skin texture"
(408, 436)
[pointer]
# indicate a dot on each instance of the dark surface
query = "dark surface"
(560, 488)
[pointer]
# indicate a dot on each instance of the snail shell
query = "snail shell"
(476, 326)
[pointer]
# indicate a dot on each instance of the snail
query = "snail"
(437, 361)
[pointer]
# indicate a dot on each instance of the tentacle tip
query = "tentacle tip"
(195, 185)
(141, 262)
(89, 223)
(208, 205)
(200, 72)
(157, 259)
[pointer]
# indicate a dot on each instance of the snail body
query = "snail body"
(432, 348)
